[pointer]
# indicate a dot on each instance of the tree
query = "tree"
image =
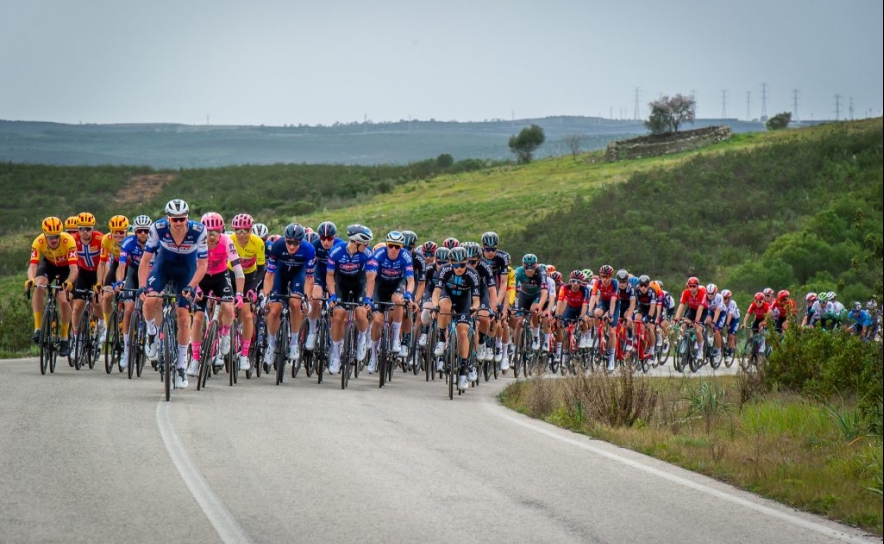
(524, 145)
(444, 161)
(779, 121)
(574, 143)
(668, 113)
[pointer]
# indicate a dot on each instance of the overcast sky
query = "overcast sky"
(281, 62)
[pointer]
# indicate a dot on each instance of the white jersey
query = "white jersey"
(715, 303)
(733, 310)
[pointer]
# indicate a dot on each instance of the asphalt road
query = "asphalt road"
(86, 457)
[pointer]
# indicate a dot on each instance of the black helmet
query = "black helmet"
(457, 255)
(294, 232)
(410, 238)
(474, 250)
(359, 234)
(327, 228)
(490, 239)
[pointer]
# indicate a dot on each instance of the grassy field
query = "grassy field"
(814, 456)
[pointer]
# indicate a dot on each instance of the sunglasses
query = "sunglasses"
(576, 282)
(393, 246)
(605, 277)
(142, 231)
(54, 238)
(472, 262)
(326, 238)
(489, 249)
(693, 286)
(292, 242)
(213, 233)
(85, 229)
(178, 219)
(116, 232)
(530, 266)
(242, 231)
(458, 266)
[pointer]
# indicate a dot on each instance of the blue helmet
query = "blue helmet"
(633, 282)
(295, 232)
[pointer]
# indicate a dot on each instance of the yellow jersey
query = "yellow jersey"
(63, 255)
(511, 284)
(251, 256)
(109, 248)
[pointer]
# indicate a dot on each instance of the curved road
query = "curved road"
(86, 457)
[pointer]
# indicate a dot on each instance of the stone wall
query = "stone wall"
(656, 145)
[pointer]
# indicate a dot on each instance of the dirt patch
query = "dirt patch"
(142, 188)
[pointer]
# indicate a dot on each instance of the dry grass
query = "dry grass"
(779, 445)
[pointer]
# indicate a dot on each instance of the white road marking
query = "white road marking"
(219, 516)
(538, 426)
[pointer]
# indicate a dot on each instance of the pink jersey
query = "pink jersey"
(223, 253)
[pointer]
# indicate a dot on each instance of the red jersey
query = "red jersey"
(88, 255)
(784, 309)
(575, 299)
(607, 293)
(694, 302)
(758, 311)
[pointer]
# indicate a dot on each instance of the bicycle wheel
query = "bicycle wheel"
(55, 339)
(746, 354)
(383, 348)
(348, 353)
(140, 338)
(282, 349)
(166, 342)
(413, 347)
(132, 360)
(320, 355)
(258, 348)
(232, 363)
(429, 359)
(451, 364)
(730, 354)
(82, 341)
(45, 341)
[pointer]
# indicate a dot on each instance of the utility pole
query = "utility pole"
(764, 102)
(795, 93)
(748, 105)
(837, 107)
(724, 103)
(850, 109)
(635, 112)
(694, 100)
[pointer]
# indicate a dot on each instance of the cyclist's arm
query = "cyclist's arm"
(202, 264)
(330, 281)
(593, 300)
(32, 271)
(144, 267)
(560, 308)
(370, 277)
(268, 282)
(475, 305)
(74, 272)
(679, 311)
(409, 284)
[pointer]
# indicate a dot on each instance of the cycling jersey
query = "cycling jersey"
(110, 250)
(222, 254)
(500, 263)
(457, 287)
(533, 285)
(606, 293)
(625, 293)
(89, 255)
(390, 270)
(252, 255)
(192, 247)
(861, 318)
(783, 310)
(694, 301)
(65, 254)
(131, 252)
(511, 284)
(280, 259)
(574, 298)
(732, 310)
(322, 258)
(486, 277)
(758, 311)
(419, 262)
(715, 303)
(345, 265)
(647, 299)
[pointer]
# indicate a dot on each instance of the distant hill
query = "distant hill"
(201, 146)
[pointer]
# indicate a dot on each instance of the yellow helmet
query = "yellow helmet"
(71, 223)
(52, 226)
(118, 222)
(379, 245)
(86, 219)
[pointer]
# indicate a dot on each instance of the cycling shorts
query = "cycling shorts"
(85, 280)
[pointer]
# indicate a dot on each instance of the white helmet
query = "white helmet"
(260, 230)
(177, 207)
(142, 222)
(711, 289)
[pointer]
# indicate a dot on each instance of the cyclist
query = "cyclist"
(345, 280)
(390, 278)
(810, 316)
(108, 264)
(499, 297)
(858, 321)
(419, 264)
(487, 284)
(429, 250)
(572, 303)
(457, 292)
(758, 309)
(692, 306)
(176, 251)
(782, 309)
(626, 299)
(290, 266)
(53, 256)
(252, 258)
(326, 239)
(532, 293)
(875, 314)
(88, 262)
(72, 226)
(647, 309)
(216, 282)
(729, 319)
(716, 313)
(548, 310)
(604, 303)
(836, 309)
(131, 250)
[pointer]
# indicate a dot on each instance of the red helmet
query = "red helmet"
(450, 243)
(273, 238)
(429, 248)
(759, 297)
(784, 294)
(768, 292)
(555, 275)
(242, 221)
(692, 282)
(726, 293)
(606, 270)
(213, 221)
(811, 298)
(578, 275)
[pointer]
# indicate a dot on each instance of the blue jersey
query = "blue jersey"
(354, 266)
(861, 318)
(390, 270)
(281, 260)
(191, 248)
(131, 252)
(322, 257)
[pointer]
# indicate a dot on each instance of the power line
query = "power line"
(795, 93)
(724, 103)
(837, 107)
(764, 101)
(851, 108)
(635, 113)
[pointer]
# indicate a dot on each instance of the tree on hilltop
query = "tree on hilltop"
(668, 113)
(527, 141)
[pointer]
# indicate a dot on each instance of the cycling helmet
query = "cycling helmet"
(327, 228)
(177, 206)
(768, 292)
(588, 273)
(311, 237)
(410, 238)
(213, 221)
(474, 250)
(857, 306)
(633, 282)
(85, 219)
(550, 268)
(429, 248)
(606, 270)
(823, 297)
(142, 222)
(450, 243)
(693, 282)
(52, 226)
(457, 255)
(759, 297)
(242, 221)
(644, 279)
(711, 289)
(541, 267)
(784, 294)
(529, 260)
(441, 254)
(578, 275)
(260, 230)
(395, 237)
(555, 275)
(659, 283)
(831, 295)
(810, 298)
(490, 239)
(871, 305)
(726, 294)
(359, 234)
(273, 238)
(622, 274)
(294, 231)
(118, 222)
(71, 223)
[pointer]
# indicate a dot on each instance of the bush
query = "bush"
(779, 121)
(617, 401)
(16, 324)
